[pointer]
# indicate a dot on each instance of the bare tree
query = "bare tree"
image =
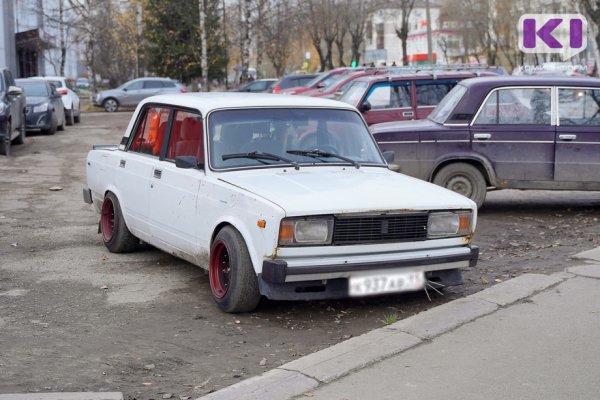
(278, 33)
(245, 41)
(402, 29)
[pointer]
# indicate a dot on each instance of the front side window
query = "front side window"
(387, 95)
(579, 106)
(134, 86)
(516, 106)
(150, 131)
(251, 138)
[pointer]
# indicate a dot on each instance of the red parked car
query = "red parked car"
(320, 81)
(339, 85)
(405, 96)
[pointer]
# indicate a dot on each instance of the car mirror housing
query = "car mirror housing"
(389, 156)
(187, 162)
(364, 107)
(14, 91)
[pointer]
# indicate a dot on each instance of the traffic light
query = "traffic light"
(353, 63)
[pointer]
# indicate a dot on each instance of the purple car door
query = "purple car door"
(513, 129)
(578, 135)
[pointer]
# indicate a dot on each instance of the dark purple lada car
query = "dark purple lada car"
(504, 132)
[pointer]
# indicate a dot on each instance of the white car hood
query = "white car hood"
(332, 190)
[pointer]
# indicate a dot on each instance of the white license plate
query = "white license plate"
(386, 283)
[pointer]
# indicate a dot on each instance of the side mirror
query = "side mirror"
(124, 89)
(320, 85)
(187, 162)
(364, 107)
(14, 91)
(389, 156)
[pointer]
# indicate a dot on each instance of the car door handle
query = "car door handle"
(408, 114)
(482, 136)
(567, 137)
(157, 173)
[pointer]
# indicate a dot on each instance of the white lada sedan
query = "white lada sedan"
(286, 197)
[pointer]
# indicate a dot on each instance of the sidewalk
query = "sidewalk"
(534, 336)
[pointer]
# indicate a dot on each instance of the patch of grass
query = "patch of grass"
(389, 319)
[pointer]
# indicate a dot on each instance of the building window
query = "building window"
(380, 36)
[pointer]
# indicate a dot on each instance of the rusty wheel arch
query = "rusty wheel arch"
(484, 166)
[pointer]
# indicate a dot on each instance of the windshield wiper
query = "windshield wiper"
(259, 155)
(316, 153)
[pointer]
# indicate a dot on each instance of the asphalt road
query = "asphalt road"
(75, 317)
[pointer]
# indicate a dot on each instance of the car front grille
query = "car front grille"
(384, 228)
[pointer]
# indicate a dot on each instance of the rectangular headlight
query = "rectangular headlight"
(306, 231)
(447, 224)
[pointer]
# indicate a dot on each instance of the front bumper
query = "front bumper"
(279, 281)
(41, 120)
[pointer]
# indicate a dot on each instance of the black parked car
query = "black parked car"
(45, 109)
(12, 109)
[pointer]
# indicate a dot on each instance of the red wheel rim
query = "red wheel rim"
(220, 269)
(107, 219)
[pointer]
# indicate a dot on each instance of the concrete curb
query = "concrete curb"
(64, 396)
(593, 255)
(304, 374)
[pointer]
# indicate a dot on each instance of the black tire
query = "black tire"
(69, 117)
(52, 129)
(5, 141)
(110, 105)
(61, 127)
(464, 179)
(22, 132)
(233, 282)
(77, 118)
(115, 234)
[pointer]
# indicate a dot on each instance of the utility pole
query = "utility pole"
(429, 44)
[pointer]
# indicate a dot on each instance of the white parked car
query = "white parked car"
(66, 87)
(287, 197)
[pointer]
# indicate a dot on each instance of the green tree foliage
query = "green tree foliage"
(171, 30)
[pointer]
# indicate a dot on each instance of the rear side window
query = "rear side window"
(150, 132)
(579, 106)
(431, 93)
(386, 95)
(152, 84)
(527, 106)
(168, 84)
(186, 136)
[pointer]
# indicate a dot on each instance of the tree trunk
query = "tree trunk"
(203, 47)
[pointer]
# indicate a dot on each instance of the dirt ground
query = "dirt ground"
(75, 317)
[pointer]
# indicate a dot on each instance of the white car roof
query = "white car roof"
(206, 102)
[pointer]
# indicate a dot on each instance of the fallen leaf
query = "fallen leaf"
(55, 188)
(167, 395)
(15, 244)
(263, 362)
(484, 281)
(146, 383)
(309, 394)
(104, 287)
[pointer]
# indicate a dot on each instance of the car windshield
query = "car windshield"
(316, 80)
(333, 81)
(34, 89)
(443, 110)
(354, 93)
(263, 137)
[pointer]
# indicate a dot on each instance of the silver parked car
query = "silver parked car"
(132, 92)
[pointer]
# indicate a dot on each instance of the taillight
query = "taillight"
(183, 90)
(276, 89)
(63, 91)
